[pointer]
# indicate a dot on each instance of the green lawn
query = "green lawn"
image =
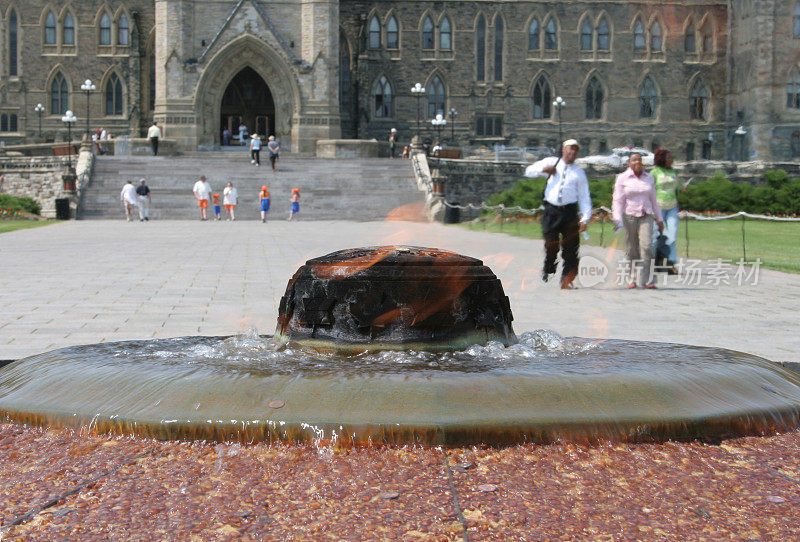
(777, 244)
(13, 225)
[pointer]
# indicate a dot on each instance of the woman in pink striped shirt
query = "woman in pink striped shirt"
(634, 208)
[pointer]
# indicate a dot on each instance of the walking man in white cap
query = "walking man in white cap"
(566, 191)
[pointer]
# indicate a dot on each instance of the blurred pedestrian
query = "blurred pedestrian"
(263, 196)
(392, 142)
(634, 207)
(230, 200)
(295, 208)
(202, 192)
(273, 147)
(255, 149)
(143, 199)
(566, 190)
(667, 194)
(154, 135)
(128, 198)
(242, 133)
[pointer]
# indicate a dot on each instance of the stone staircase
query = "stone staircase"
(331, 189)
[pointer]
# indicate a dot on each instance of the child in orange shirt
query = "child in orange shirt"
(264, 197)
(295, 203)
(217, 208)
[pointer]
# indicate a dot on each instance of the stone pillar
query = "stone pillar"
(175, 71)
(319, 117)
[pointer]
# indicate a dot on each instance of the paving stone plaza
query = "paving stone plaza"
(91, 281)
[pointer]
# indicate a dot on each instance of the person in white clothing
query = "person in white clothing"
(255, 149)
(230, 200)
(202, 192)
(566, 191)
(128, 198)
(154, 135)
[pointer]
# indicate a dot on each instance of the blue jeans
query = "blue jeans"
(671, 222)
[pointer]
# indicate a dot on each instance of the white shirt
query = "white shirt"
(154, 131)
(128, 194)
(202, 190)
(568, 180)
(231, 196)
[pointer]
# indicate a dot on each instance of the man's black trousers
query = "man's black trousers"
(560, 226)
(154, 145)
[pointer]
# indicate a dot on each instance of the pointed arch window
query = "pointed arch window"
(793, 90)
(69, 30)
(655, 37)
(795, 144)
(689, 40)
(435, 97)
(59, 95)
(105, 29)
(50, 29)
(796, 20)
(639, 42)
(594, 99)
(123, 30)
(480, 49)
(647, 99)
(542, 98)
(698, 101)
(498, 49)
(533, 35)
(445, 35)
(382, 96)
(392, 34)
(603, 35)
(374, 33)
(12, 44)
(708, 38)
(551, 36)
(114, 95)
(586, 35)
(427, 34)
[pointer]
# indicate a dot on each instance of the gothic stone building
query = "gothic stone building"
(704, 78)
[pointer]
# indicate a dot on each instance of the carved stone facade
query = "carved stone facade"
(704, 78)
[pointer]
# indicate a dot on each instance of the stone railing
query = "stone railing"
(41, 178)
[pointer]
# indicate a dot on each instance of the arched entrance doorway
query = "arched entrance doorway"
(249, 100)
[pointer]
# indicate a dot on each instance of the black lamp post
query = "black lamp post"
(88, 87)
(559, 103)
(69, 119)
(39, 110)
(418, 90)
(453, 114)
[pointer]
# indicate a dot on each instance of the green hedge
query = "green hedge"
(779, 196)
(15, 203)
(528, 193)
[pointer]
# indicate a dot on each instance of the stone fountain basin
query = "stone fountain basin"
(543, 389)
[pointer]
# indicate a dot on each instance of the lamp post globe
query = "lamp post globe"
(438, 123)
(39, 110)
(88, 87)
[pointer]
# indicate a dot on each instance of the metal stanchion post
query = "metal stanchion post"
(744, 245)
